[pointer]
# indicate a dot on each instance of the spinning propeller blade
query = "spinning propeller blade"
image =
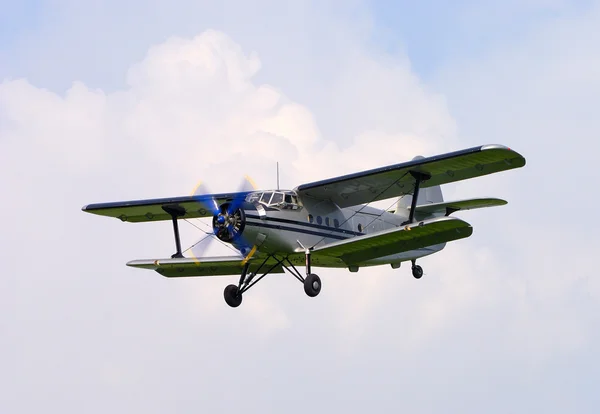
(228, 219)
(198, 249)
(246, 185)
(200, 191)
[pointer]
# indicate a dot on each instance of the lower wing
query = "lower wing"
(208, 266)
(350, 251)
(397, 240)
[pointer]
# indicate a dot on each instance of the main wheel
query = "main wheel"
(232, 296)
(417, 271)
(312, 285)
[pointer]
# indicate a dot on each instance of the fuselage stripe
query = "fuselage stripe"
(303, 224)
(297, 230)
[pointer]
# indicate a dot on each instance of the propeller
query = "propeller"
(228, 219)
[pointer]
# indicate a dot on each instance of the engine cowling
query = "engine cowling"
(228, 225)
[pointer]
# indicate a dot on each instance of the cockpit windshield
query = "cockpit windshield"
(275, 199)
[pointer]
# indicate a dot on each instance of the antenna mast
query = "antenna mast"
(277, 175)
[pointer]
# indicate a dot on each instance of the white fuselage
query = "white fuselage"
(316, 223)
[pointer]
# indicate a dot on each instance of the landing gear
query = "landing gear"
(233, 296)
(312, 282)
(312, 285)
(417, 271)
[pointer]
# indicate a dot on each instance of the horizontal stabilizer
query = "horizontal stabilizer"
(206, 266)
(449, 207)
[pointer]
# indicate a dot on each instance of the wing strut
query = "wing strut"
(419, 177)
(175, 212)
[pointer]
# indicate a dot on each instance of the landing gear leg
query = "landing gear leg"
(312, 282)
(233, 293)
(417, 271)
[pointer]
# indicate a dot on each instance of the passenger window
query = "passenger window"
(319, 220)
(311, 218)
(277, 198)
(336, 223)
(360, 228)
(327, 221)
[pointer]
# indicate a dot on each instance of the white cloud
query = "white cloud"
(194, 109)
(191, 110)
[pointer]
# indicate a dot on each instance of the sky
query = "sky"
(129, 100)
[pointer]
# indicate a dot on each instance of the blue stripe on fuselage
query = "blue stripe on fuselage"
(308, 225)
(297, 230)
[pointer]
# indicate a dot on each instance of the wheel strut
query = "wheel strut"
(312, 282)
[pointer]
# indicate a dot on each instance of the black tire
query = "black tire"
(312, 285)
(417, 271)
(232, 296)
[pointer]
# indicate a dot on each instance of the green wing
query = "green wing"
(136, 211)
(396, 180)
(208, 266)
(396, 240)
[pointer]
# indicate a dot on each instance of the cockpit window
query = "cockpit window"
(266, 197)
(277, 198)
(253, 197)
(285, 200)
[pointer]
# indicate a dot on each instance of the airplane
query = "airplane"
(326, 223)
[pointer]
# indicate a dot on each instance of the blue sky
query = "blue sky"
(432, 33)
(128, 100)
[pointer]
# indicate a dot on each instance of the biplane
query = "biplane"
(327, 223)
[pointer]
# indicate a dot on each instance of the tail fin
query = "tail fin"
(427, 195)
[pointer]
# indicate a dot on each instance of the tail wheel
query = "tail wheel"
(312, 285)
(417, 271)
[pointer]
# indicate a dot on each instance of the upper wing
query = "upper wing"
(208, 266)
(152, 210)
(396, 180)
(397, 240)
